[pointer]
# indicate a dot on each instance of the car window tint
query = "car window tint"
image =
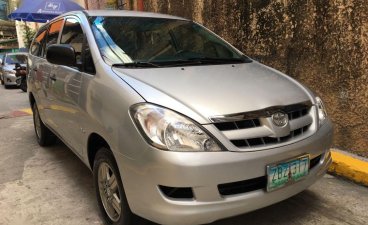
(54, 31)
(73, 35)
(38, 44)
(16, 58)
(159, 40)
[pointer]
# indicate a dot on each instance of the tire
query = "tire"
(44, 136)
(109, 190)
(5, 85)
(23, 85)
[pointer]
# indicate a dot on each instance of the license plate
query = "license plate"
(284, 173)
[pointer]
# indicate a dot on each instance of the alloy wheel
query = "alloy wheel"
(109, 192)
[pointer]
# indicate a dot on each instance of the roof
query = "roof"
(122, 13)
(130, 13)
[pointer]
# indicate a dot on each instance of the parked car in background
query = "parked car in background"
(1, 64)
(1, 58)
(7, 70)
(177, 125)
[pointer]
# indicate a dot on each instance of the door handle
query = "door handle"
(53, 77)
(35, 69)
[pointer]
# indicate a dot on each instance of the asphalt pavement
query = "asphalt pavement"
(52, 186)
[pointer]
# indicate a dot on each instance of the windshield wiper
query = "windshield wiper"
(135, 64)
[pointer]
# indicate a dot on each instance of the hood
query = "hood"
(11, 66)
(215, 90)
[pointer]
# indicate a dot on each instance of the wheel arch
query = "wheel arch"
(95, 142)
(31, 98)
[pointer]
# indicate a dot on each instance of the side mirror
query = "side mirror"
(61, 54)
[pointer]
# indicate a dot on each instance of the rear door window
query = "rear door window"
(54, 31)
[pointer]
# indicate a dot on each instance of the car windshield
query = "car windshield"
(13, 59)
(154, 42)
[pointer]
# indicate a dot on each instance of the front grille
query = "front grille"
(242, 186)
(243, 124)
(256, 129)
(263, 141)
(297, 113)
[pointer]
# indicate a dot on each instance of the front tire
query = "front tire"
(44, 136)
(23, 85)
(110, 193)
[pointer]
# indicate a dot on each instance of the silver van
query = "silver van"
(177, 126)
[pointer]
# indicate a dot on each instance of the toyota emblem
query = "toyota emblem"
(280, 119)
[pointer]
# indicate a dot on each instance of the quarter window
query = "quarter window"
(73, 35)
(38, 44)
(54, 31)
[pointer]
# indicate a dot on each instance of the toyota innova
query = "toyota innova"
(177, 125)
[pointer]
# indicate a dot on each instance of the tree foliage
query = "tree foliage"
(28, 34)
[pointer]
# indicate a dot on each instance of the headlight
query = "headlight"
(322, 114)
(168, 130)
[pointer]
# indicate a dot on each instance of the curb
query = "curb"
(349, 166)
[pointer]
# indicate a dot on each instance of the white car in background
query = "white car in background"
(7, 72)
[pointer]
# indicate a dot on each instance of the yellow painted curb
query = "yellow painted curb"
(349, 167)
(28, 110)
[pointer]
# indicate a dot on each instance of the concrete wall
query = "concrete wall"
(322, 43)
(103, 4)
(81, 2)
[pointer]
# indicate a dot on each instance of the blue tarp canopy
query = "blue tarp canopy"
(42, 11)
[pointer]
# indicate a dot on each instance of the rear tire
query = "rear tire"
(110, 191)
(44, 136)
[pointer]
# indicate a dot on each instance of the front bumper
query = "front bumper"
(10, 79)
(203, 172)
